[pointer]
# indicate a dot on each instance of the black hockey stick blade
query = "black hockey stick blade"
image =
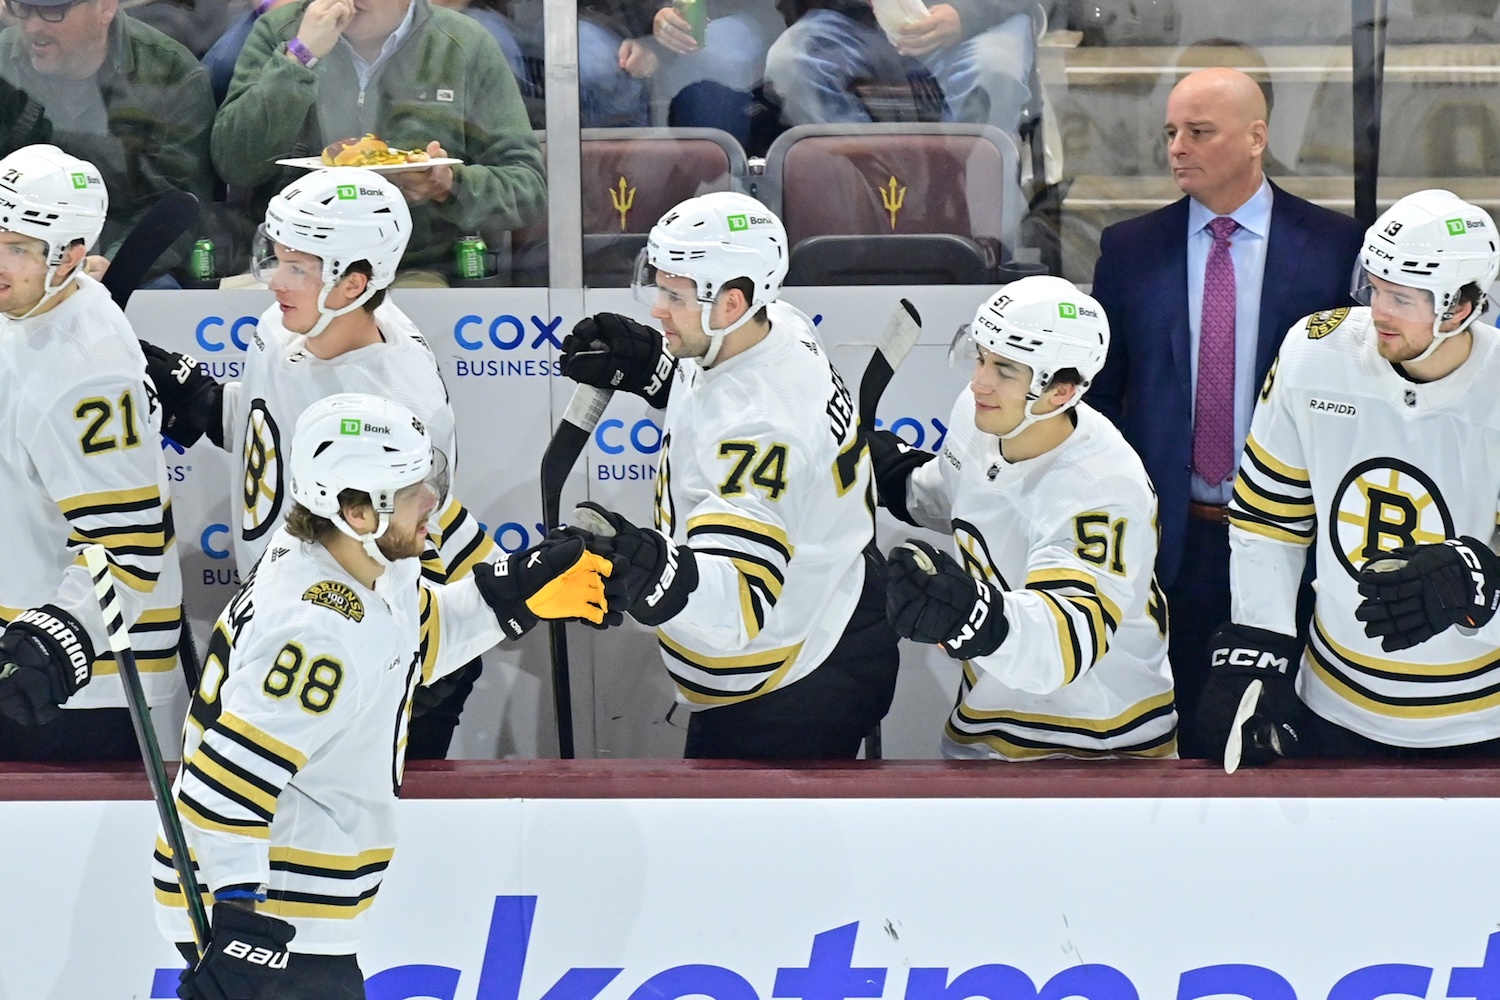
(140, 718)
(895, 343)
(159, 228)
(568, 442)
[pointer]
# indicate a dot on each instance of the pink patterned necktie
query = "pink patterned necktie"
(1213, 420)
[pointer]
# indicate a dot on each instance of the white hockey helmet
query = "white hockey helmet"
(53, 197)
(341, 215)
(1433, 240)
(355, 441)
(714, 239)
(1042, 322)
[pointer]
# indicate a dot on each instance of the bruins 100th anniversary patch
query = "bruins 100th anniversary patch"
(338, 597)
(1321, 324)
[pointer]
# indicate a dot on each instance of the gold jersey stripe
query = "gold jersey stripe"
(109, 498)
(1067, 637)
(1275, 464)
(287, 753)
(1015, 751)
(333, 862)
(236, 785)
(325, 911)
(1141, 708)
(1268, 530)
(259, 831)
(767, 658)
(1411, 668)
(431, 633)
(745, 524)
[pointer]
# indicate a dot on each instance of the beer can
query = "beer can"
(695, 13)
(201, 263)
(470, 255)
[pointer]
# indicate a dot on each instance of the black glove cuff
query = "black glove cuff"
(894, 462)
(678, 580)
(501, 590)
(60, 641)
(1256, 652)
(986, 628)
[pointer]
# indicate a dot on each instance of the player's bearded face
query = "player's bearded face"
(1403, 319)
(680, 315)
(999, 386)
(406, 537)
(23, 272)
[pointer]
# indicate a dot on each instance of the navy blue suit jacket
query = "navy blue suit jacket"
(1146, 386)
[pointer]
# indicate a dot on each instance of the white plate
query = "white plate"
(316, 163)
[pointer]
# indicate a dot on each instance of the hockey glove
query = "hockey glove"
(611, 351)
(658, 575)
(1419, 590)
(929, 598)
(192, 402)
(45, 657)
(894, 462)
(556, 579)
(247, 952)
(1239, 655)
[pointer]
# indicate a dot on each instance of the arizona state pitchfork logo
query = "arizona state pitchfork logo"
(892, 196)
(622, 199)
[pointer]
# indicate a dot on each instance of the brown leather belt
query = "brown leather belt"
(1217, 513)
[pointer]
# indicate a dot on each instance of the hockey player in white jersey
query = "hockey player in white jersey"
(328, 249)
(1375, 439)
(293, 748)
(79, 463)
(1052, 603)
(761, 573)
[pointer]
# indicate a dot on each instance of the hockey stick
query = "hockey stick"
(900, 335)
(571, 437)
(145, 734)
(1235, 748)
(159, 228)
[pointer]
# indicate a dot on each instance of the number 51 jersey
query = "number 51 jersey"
(1346, 452)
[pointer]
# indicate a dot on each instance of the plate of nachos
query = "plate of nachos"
(370, 152)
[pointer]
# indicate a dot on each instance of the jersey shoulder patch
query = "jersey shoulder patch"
(336, 597)
(1321, 324)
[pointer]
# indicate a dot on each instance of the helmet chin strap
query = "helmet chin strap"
(1438, 336)
(716, 337)
(368, 539)
(327, 315)
(1031, 416)
(49, 290)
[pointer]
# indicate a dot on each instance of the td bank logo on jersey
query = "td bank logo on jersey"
(1384, 504)
(828, 971)
(523, 345)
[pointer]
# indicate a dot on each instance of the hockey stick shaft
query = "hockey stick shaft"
(161, 226)
(572, 436)
(145, 733)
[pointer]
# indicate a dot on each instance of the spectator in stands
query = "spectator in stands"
(119, 94)
(194, 23)
(419, 77)
(1199, 295)
(23, 120)
(219, 60)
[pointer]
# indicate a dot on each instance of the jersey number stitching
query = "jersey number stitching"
(103, 412)
(768, 475)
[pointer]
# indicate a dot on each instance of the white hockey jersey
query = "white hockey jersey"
(81, 462)
(763, 474)
(1070, 538)
(295, 742)
(1344, 450)
(281, 379)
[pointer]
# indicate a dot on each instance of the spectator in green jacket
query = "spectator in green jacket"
(419, 77)
(119, 94)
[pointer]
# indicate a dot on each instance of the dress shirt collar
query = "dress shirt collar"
(1254, 215)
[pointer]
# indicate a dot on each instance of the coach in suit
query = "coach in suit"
(1199, 295)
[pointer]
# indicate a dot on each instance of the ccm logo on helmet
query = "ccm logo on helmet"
(256, 956)
(1259, 659)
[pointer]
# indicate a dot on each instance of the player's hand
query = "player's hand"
(611, 351)
(247, 952)
(941, 28)
(433, 184)
(45, 657)
(672, 30)
(929, 598)
(894, 461)
(638, 58)
(556, 579)
(1420, 590)
(192, 402)
(657, 575)
(1238, 656)
(323, 23)
(94, 266)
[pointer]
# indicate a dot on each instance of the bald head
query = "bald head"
(1216, 137)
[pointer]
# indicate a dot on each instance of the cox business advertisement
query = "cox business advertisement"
(1231, 899)
(497, 350)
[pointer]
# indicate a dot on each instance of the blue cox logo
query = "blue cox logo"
(830, 973)
(510, 334)
(215, 543)
(217, 333)
(915, 432)
(612, 437)
(513, 536)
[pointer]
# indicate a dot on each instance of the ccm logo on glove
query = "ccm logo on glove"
(977, 617)
(1257, 659)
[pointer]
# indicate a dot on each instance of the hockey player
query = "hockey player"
(1052, 604)
(761, 573)
(328, 249)
(1374, 438)
(79, 464)
(293, 747)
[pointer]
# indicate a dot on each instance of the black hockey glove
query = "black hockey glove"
(192, 401)
(45, 657)
(1239, 655)
(658, 575)
(894, 462)
(1419, 590)
(611, 351)
(247, 952)
(929, 598)
(556, 579)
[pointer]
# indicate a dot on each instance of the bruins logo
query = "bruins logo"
(1321, 324)
(1384, 504)
(338, 597)
(264, 489)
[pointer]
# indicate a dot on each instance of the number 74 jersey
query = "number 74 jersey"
(1070, 538)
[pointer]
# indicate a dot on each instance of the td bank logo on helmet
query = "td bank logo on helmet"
(1068, 310)
(352, 425)
(352, 192)
(742, 221)
(1456, 227)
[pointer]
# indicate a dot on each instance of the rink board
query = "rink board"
(750, 899)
